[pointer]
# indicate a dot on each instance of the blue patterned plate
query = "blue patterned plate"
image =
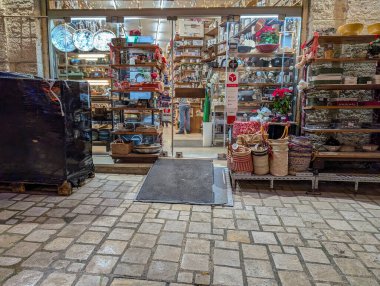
(101, 40)
(62, 38)
(83, 40)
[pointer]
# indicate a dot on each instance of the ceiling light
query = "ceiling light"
(88, 18)
(91, 56)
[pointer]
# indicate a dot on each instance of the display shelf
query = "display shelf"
(269, 69)
(137, 89)
(263, 55)
(96, 78)
(121, 132)
(245, 29)
(189, 47)
(179, 38)
(137, 46)
(344, 87)
(358, 155)
(343, 60)
(342, 107)
(264, 84)
(212, 32)
(342, 130)
(127, 66)
(179, 58)
(84, 66)
(343, 39)
(186, 83)
(135, 108)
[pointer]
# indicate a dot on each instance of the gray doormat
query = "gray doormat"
(179, 181)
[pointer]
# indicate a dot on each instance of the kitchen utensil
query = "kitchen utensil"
(147, 148)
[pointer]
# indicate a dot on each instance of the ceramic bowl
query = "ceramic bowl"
(370, 147)
(331, 148)
(351, 29)
(374, 29)
(267, 48)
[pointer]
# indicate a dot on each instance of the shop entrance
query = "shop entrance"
(180, 104)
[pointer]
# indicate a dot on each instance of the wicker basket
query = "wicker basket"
(240, 160)
(279, 158)
(118, 147)
(298, 162)
(260, 164)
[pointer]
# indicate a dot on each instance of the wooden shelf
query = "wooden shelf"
(179, 58)
(179, 38)
(359, 39)
(263, 69)
(126, 66)
(84, 66)
(189, 47)
(137, 89)
(344, 87)
(121, 132)
(343, 60)
(135, 108)
(246, 29)
(97, 78)
(137, 46)
(263, 55)
(349, 155)
(354, 130)
(342, 107)
(259, 84)
(186, 83)
(212, 32)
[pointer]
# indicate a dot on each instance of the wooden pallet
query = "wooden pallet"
(65, 189)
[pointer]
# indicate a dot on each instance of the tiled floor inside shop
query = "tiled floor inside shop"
(99, 236)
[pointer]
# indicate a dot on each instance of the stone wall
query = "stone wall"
(20, 45)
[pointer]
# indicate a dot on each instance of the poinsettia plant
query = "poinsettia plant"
(267, 35)
(282, 100)
(374, 47)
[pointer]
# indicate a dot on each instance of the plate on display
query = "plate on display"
(62, 38)
(102, 38)
(83, 40)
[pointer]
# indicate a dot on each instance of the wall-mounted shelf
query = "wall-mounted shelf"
(263, 55)
(127, 66)
(343, 60)
(342, 130)
(137, 46)
(359, 39)
(344, 87)
(331, 107)
(212, 32)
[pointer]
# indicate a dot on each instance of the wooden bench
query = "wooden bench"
(322, 157)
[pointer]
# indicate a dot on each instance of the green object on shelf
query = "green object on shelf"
(206, 108)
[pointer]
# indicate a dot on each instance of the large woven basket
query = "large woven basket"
(279, 163)
(240, 160)
(260, 164)
(118, 147)
(299, 162)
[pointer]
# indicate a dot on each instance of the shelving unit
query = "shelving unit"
(122, 110)
(321, 157)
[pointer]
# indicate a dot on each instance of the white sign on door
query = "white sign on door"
(232, 88)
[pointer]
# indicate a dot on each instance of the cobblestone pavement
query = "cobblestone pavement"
(99, 236)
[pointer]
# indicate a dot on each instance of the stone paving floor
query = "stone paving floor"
(99, 236)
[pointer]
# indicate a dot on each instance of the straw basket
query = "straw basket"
(240, 160)
(279, 158)
(300, 153)
(120, 148)
(260, 163)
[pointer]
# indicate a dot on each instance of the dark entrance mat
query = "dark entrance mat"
(179, 181)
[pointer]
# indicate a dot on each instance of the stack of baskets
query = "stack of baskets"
(300, 154)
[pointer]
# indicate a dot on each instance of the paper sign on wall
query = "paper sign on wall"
(232, 88)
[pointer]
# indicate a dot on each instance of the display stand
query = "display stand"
(120, 111)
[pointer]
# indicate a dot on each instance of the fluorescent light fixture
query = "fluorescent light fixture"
(259, 16)
(88, 18)
(91, 56)
(98, 82)
(131, 18)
